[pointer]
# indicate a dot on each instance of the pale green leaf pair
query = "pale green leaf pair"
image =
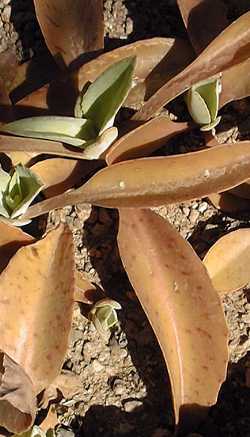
(36, 431)
(202, 101)
(17, 190)
(95, 111)
(103, 315)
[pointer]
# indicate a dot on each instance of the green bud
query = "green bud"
(103, 315)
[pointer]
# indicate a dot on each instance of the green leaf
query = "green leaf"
(202, 100)
(69, 130)
(103, 315)
(20, 189)
(104, 97)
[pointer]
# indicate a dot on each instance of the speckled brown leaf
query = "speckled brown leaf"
(17, 396)
(182, 306)
(11, 239)
(37, 289)
(85, 291)
(71, 28)
(155, 181)
(204, 20)
(8, 69)
(229, 48)
(229, 203)
(228, 260)
(145, 139)
(157, 60)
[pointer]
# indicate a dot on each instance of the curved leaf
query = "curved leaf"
(11, 239)
(235, 83)
(69, 130)
(145, 139)
(150, 182)
(228, 260)
(17, 397)
(229, 48)
(71, 28)
(203, 20)
(229, 203)
(183, 309)
(37, 289)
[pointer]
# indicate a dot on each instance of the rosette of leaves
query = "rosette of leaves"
(17, 190)
(103, 315)
(95, 112)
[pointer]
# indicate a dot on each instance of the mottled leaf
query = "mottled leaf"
(71, 28)
(229, 48)
(156, 181)
(227, 261)
(204, 20)
(37, 289)
(145, 139)
(17, 396)
(182, 306)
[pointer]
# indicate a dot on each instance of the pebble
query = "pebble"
(194, 215)
(203, 207)
(6, 14)
(186, 211)
(129, 406)
(97, 366)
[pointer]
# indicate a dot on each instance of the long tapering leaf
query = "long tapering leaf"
(183, 309)
(150, 182)
(229, 48)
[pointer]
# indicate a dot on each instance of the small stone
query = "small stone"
(6, 14)
(203, 207)
(195, 205)
(186, 211)
(97, 366)
(194, 215)
(129, 406)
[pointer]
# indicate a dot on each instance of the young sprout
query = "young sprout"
(103, 315)
(17, 190)
(95, 111)
(202, 100)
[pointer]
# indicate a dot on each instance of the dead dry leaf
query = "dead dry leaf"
(231, 47)
(182, 306)
(203, 20)
(229, 203)
(71, 28)
(50, 420)
(11, 239)
(17, 396)
(37, 289)
(144, 140)
(228, 260)
(155, 181)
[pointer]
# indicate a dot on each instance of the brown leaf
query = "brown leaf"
(85, 291)
(144, 140)
(157, 60)
(156, 181)
(229, 203)
(182, 306)
(11, 239)
(50, 420)
(60, 174)
(71, 28)
(17, 397)
(242, 190)
(9, 144)
(8, 69)
(235, 83)
(204, 20)
(36, 303)
(229, 48)
(227, 261)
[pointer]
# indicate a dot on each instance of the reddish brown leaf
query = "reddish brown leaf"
(229, 203)
(229, 48)
(11, 239)
(242, 190)
(37, 290)
(71, 28)
(227, 261)
(144, 140)
(156, 181)
(17, 397)
(235, 83)
(204, 20)
(182, 306)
